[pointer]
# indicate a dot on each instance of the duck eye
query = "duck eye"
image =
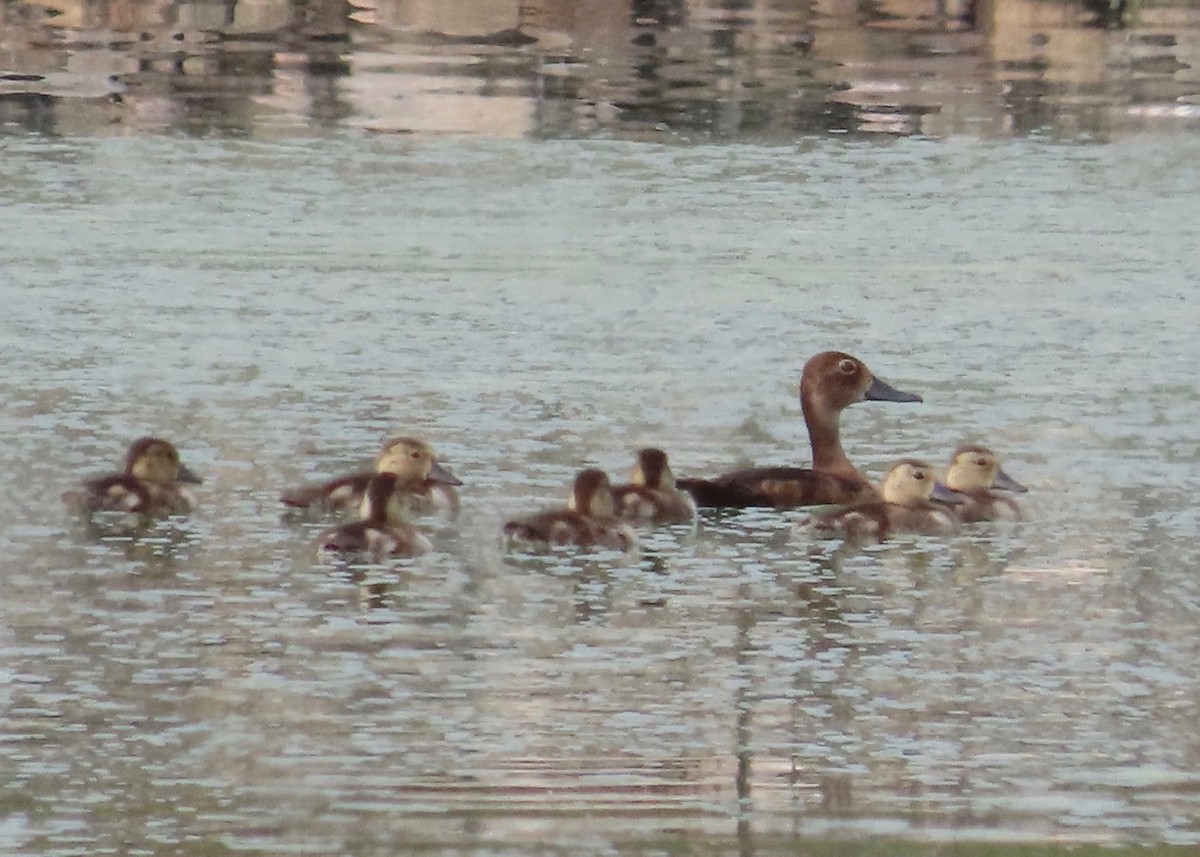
(918, 475)
(982, 462)
(415, 455)
(847, 367)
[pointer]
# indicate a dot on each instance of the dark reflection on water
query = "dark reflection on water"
(759, 69)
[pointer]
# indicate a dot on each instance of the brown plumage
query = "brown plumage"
(830, 383)
(587, 520)
(425, 484)
(149, 484)
(651, 496)
(907, 503)
(381, 532)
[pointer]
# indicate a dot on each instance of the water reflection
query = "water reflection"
(775, 69)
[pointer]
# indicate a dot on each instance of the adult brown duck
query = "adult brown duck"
(831, 382)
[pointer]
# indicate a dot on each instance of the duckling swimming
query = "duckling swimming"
(831, 382)
(149, 484)
(651, 497)
(423, 482)
(588, 520)
(905, 505)
(381, 532)
(975, 475)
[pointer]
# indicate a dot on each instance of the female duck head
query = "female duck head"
(833, 380)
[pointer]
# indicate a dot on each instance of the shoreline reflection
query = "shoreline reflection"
(694, 69)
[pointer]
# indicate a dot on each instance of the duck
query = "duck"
(830, 382)
(424, 483)
(975, 475)
(651, 496)
(911, 500)
(149, 485)
(381, 532)
(588, 520)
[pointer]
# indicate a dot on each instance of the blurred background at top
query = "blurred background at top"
(761, 70)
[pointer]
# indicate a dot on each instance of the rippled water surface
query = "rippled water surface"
(277, 303)
(277, 308)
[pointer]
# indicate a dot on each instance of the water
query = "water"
(277, 302)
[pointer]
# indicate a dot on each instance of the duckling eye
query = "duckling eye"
(415, 455)
(982, 462)
(847, 367)
(918, 475)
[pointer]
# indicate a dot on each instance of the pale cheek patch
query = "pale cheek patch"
(122, 498)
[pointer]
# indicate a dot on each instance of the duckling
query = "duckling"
(651, 497)
(975, 475)
(905, 505)
(830, 383)
(588, 519)
(424, 483)
(149, 484)
(381, 532)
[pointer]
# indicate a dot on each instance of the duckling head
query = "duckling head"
(976, 468)
(413, 461)
(910, 483)
(156, 461)
(591, 494)
(834, 380)
(652, 470)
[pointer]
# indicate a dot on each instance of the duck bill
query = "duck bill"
(881, 391)
(186, 475)
(437, 473)
(1006, 483)
(944, 495)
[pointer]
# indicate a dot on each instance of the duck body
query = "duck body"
(344, 492)
(424, 483)
(651, 497)
(976, 477)
(588, 520)
(780, 487)
(152, 484)
(910, 500)
(381, 532)
(377, 540)
(830, 383)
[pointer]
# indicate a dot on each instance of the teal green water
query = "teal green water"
(277, 307)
